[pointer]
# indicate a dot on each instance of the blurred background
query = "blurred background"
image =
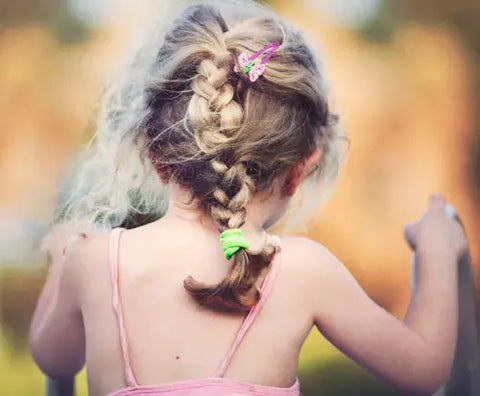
(404, 76)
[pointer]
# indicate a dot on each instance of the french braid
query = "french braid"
(217, 118)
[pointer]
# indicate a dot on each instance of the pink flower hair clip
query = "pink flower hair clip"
(248, 65)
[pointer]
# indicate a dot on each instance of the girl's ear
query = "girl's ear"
(298, 172)
(160, 169)
(162, 172)
(310, 162)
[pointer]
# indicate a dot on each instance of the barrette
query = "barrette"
(248, 64)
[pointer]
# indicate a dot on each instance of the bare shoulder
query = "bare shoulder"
(309, 257)
(84, 245)
(87, 251)
(82, 256)
(312, 268)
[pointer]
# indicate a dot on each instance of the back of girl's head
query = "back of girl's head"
(225, 138)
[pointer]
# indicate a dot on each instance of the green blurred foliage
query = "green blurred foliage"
(381, 27)
(19, 292)
(341, 377)
(24, 11)
(56, 14)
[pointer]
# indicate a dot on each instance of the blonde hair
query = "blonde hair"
(189, 117)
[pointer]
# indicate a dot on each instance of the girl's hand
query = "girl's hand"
(436, 231)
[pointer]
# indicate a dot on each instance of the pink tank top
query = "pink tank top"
(212, 386)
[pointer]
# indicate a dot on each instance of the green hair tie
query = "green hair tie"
(232, 241)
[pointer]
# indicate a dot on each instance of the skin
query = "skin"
(172, 338)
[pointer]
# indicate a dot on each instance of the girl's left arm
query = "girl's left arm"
(57, 336)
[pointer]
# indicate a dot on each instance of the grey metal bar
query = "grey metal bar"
(464, 377)
(64, 386)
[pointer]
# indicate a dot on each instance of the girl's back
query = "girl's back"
(168, 336)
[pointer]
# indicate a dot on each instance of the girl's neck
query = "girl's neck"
(182, 207)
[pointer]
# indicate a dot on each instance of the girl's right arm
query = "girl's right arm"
(414, 355)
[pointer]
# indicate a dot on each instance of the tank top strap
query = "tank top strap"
(253, 313)
(114, 242)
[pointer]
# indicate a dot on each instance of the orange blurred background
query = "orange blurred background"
(403, 75)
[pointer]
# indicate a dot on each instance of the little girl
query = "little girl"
(229, 110)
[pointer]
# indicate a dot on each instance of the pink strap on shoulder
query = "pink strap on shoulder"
(252, 315)
(117, 303)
